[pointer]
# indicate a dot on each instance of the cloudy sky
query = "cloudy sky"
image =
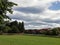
(37, 14)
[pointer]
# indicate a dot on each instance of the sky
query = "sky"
(37, 14)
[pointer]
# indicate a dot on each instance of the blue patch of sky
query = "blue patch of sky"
(55, 6)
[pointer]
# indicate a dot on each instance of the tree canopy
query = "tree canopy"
(5, 6)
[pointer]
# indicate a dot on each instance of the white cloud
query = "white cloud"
(47, 18)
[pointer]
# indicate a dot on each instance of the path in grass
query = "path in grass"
(28, 40)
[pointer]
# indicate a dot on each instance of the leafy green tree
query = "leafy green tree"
(15, 23)
(22, 27)
(55, 31)
(19, 26)
(6, 29)
(14, 29)
(1, 23)
(5, 6)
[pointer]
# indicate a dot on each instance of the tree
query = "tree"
(6, 29)
(15, 23)
(19, 26)
(5, 6)
(55, 31)
(14, 29)
(1, 23)
(22, 27)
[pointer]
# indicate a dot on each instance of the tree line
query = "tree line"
(51, 31)
(12, 27)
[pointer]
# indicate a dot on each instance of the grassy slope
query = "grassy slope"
(27, 40)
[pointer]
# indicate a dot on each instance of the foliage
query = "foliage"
(15, 26)
(14, 29)
(22, 27)
(6, 29)
(55, 31)
(5, 6)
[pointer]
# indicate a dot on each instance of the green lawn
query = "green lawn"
(28, 40)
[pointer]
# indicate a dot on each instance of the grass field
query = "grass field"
(28, 40)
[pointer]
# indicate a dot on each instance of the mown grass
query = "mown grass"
(28, 40)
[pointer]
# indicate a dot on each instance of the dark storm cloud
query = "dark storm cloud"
(32, 10)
